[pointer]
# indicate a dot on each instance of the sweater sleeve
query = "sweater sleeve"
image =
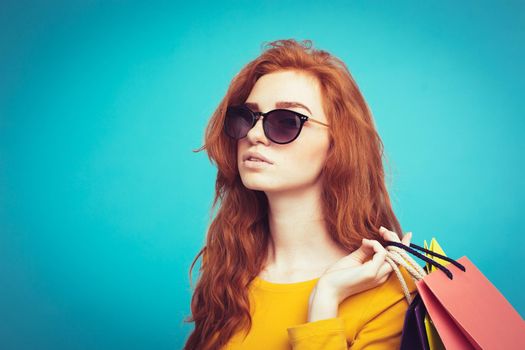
(372, 320)
(327, 334)
(383, 328)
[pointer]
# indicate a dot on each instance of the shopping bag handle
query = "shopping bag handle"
(427, 259)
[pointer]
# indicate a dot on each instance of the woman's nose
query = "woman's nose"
(256, 133)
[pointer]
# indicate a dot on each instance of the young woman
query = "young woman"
(294, 255)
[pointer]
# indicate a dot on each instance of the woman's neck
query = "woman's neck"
(300, 246)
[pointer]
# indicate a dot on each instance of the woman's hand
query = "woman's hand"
(352, 274)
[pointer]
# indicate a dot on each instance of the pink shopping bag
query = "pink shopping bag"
(469, 312)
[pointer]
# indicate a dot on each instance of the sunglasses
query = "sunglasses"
(280, 125)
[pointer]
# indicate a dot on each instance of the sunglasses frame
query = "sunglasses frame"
(256, 115)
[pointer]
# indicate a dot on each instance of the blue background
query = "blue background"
(103, 204)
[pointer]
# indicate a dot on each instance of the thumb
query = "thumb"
(406, 239)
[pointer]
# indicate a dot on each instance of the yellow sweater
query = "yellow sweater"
(372, 319)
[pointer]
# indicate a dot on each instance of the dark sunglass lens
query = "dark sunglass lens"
(282, 126)
(238, 122)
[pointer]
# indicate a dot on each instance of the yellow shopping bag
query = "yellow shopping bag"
(434, 341)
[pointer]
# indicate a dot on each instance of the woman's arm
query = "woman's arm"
(323, 304)
(325, 329)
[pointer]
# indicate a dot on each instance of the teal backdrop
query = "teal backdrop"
(103, 204)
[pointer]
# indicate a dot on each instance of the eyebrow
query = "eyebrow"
(280, 104)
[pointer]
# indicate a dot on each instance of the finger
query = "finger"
(389, 235)
(362, 253)
(368, 245)
(379, 256)
(378, 267)
(376, 246)
(407, 238)
(384, 271)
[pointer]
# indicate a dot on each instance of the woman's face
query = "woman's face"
(296, 165)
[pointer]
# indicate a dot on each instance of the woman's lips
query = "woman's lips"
(256, 164)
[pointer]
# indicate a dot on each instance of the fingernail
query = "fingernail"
(410, 234)
(381, 228)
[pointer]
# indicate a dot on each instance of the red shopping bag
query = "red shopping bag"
(469, 312)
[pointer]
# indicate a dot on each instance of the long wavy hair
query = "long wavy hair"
(355, 201)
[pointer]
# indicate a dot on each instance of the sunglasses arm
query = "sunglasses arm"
(317, 121)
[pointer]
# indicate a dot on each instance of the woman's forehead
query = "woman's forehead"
(285, 89)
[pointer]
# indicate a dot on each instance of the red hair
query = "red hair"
(355, 200)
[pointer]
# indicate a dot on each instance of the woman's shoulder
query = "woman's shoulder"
(384, 294)
(391, 291)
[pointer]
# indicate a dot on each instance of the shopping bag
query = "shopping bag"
(414, 334)
(415, 331)
(466, 308)
(434, 341)
(436, 248)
